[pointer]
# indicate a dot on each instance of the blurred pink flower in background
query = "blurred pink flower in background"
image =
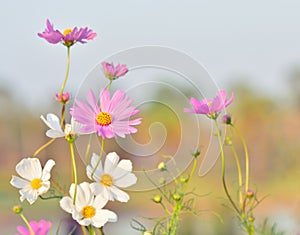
(210, 107)
(113, 72)
(39, 228)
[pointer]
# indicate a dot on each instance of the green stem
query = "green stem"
(102, 231)
(67, 72)
(109, 85)
(74, 171)
(91, 230)
(246, 157)
(43, 147)
(175, 218)
(223, 168)
(27, 224)
(88, 149)
(238, 165)
(100, 157)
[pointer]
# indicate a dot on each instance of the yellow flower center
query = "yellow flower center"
(106, 180)
(88, 212)
(67, 31)
(36, 183)
(103, 119)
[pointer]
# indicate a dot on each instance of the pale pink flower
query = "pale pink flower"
(109, 118)
(113, 72)
(210, 107)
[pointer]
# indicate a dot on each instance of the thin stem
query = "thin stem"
(57, 186)
(91, 230)
(100, 157)
(43, 147)
(238, 165)
(109, 85)
(27, 224)
(88, 149)
(67, 72)
(74, 171)
(223, 168)
(83, 230)
(63, 114)
(102, 231)
(246, 157)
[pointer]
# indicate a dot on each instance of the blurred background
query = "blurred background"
(249, 48)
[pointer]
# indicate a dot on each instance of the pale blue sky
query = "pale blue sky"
(258, 39)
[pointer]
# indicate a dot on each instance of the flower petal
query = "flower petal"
(47, 168)
(29, 168)
(111, 162)
(126, 181)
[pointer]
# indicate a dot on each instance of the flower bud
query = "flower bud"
(147, 233)
(176, 197)
(184, 179)
(157, 199)
(249, 193)
(226, 119)
(196, 154)
(251, 218)
(162, 181)
(17, 209)
(64, 98)
(162, 166)
(228, 141)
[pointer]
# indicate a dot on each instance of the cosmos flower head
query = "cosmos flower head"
(34, 181)
(68, 37)
(114, 175)
(71, 131)
(108, 119)
(113, 72)
(210, 107)
(39, 228)
(88, 208)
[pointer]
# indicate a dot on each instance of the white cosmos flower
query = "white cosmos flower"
(88, 208)
(113, 176)
(55, 131)
(34, 181)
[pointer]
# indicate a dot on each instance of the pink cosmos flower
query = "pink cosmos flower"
(39, 228)
(68, 37)
(210, 107)
(113, 72)
(108, 119)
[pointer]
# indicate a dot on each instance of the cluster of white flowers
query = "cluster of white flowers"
(90, 198)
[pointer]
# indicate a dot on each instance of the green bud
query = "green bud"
(147, 233)
(162, 166)
(184, 179)
(251, 219)
(176, 197)
(228, 141)
(162, 181)
(249, 193)
(196, 154)
(157, 199)
(17, 209)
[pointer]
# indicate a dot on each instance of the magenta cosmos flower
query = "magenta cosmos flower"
(68, 37)
(39, 228)
(108, 119)
(210, 107)
(113, 72)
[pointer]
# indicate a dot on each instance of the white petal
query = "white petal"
(99, 220)
(84, 222)
(66, 203)
(123, 168)
(90, 168)
(44, 188)
(83, 196)
(75, 126)
(29, 194)
(118, 194)
(99, 189)
(110, 215)
(19, 182)
(52, 121)
(55, 134)
(99, 201)
(126, 181)
(111, 162)
(47, 168)
(29, 168)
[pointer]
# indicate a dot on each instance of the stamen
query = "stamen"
(104, 119)
(88, 212)
(106, 180)
(36, 183)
